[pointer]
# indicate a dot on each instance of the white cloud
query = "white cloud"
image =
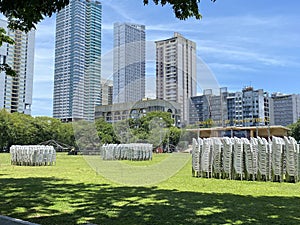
(231, 67)
(119, 9)
(242, 55)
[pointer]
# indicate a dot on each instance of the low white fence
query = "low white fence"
(133, 151)
(239, 158)
(32, 155)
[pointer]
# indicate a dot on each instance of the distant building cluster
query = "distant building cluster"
(80, 92)
(244, 108)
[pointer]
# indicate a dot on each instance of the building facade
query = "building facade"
(235, 109)
(121, 111)
(16, 92)
(244, 108)
(209, 109)
(256, 107)
(77, 74)
(176, 76)
(129, 57)
(106, 92)
(285, 109)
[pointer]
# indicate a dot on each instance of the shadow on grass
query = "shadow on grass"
(55, 201)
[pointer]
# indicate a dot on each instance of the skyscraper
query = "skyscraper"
(16, 92)
(176, 76)
(77, 75)
(129, 62)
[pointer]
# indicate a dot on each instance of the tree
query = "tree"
(46, 128)
(25, 14)
(174, 135)
(295, 130)
(4, 128)
(4, 66)
(182, 9)
(86, 135)
(66, 134)
(123, 132)
(156, 117)
(105, 132)
(172, 138)
(22, 130)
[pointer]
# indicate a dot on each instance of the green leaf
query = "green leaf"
(8, 70)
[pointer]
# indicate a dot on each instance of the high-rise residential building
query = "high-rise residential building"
(129, 62)
(285, 108)
(16, 92)
(176, 76)
(106, 92)
(77, 75)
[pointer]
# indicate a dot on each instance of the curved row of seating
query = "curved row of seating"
(32, 155)
(133, 151)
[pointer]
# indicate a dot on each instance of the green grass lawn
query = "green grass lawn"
(71, 192)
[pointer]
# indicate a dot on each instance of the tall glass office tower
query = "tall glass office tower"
(77, 75)
(129, 62)
(16, 92)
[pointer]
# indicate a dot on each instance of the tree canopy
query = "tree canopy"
(295, 130)
(25, 14)
(182, 9)
(21, 129)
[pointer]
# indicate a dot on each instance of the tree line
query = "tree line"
(21, 129)
(156, 128)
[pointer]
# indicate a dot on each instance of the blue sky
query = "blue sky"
(239, 43)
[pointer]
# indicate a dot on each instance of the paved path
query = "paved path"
(5, 220)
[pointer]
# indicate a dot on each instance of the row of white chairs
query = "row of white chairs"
(32, 155)
(276, 159)
(133, 151)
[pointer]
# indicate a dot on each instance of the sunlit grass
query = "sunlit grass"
(155, 159)
(71, 192)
